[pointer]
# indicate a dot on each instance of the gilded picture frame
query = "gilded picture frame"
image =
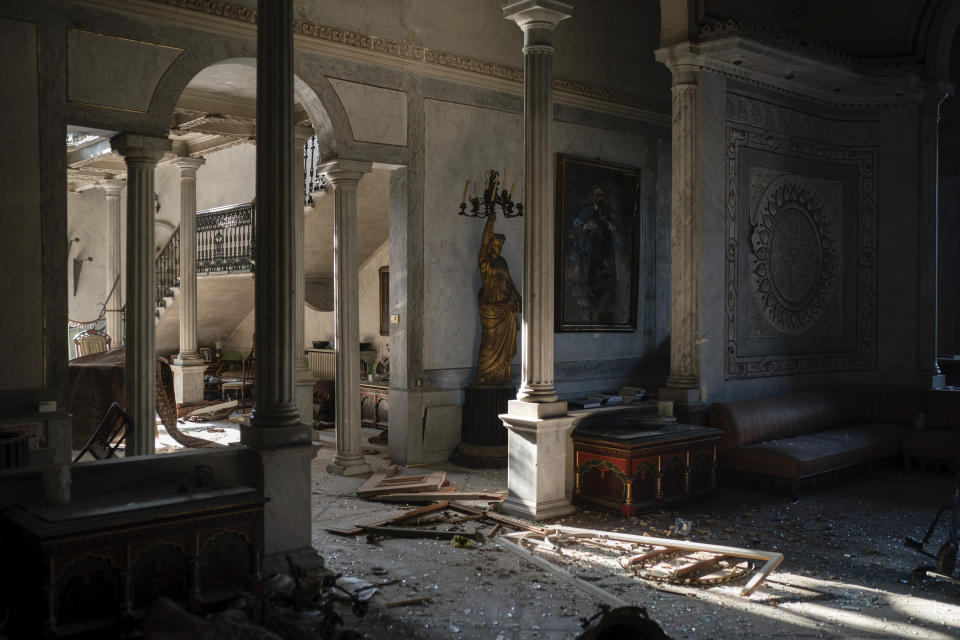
(598, 229)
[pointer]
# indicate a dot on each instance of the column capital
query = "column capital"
(345, 171)
(539, 14)
(302, 134)
(112, 186)
(188, 165)
(133, 146)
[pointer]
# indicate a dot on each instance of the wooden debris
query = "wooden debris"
(771, 559)
(413, 532)
(409, 603)
(382, 483)
(429, 496)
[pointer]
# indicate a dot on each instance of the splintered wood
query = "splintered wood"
(571, 550)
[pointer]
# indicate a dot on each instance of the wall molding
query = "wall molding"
(752, 124)
(229, 18)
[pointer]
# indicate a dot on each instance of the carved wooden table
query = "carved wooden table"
(635, 468)
(98, 563)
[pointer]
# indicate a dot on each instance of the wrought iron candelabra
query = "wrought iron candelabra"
(495, 194)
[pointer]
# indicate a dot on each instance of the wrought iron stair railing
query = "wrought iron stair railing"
(167, 263)
(227, 239)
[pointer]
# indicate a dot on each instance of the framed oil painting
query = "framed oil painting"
(597, 245)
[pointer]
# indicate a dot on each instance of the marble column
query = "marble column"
(275, 421)
(275, 430)
(141, 154)
(303, 377)
(114, 300)
(343, 176)
(929, 150)
(683, 383)
(538, 19)
(188, 366)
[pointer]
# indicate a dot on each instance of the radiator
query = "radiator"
(322, 363)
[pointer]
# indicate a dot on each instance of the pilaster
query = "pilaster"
(929, 151)
(141, 154)
(344, 175)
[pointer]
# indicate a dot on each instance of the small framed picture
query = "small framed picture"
(206, 354)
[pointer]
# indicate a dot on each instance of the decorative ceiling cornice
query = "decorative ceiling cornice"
(409, 52)
(819, 50)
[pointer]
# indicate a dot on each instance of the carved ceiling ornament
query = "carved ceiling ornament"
(796, 255)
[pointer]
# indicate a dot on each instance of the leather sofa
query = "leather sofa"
(795, 438)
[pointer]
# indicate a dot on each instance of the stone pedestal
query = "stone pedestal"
(287, 524)
(540, 475)
(188, 381)
(483, 437)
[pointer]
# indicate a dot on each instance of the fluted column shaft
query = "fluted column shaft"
(188, 259)
(141, 154)
(304, 379)
(538, 19)
(685, 207)
(275, 319)
(344, 175)
(927, 230)
(114, 303)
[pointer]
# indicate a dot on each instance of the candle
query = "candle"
(465, 185)
(504, 176)
(512, 188)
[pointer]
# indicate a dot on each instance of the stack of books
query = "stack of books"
(626, 395)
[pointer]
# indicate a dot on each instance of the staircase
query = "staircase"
(226, 243)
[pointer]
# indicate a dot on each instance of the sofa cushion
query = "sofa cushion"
(935, 444)
(810, 454)
(776, 417)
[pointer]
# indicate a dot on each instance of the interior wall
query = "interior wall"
(809, 230)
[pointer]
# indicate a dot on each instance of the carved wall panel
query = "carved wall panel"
(801, 214)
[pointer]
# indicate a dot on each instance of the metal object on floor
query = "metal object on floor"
(946, 556)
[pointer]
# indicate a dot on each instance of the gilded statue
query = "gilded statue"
(499, 303)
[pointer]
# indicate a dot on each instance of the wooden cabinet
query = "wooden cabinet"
(374, 404)
(634, 469)
(97, 564)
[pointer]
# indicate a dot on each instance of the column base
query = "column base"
(188, 380)
(539, 465)
(686, 397)
(537, 410)
(352, 465)
(938, 381)
(303, 394)
(307, 558)
(287, 523)
(536, 510)
(270, 438)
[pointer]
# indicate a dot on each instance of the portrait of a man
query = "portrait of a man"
(597, 245)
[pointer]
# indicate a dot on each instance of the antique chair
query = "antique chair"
(108, 437)
(240, 387)
(91, 341)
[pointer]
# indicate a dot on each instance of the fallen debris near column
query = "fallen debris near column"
(381, 483)
(686, 562)
(430, 496)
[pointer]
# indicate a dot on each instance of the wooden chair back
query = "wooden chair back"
(91, 341)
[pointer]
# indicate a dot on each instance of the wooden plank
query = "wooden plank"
(409, 603)
(695, 567)
(414, 514)
(410, 484)
(772, 559)
(412, 532)
(563, 574)
(374, 481)
(514, 522)
(428, 496)
(640, 557)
